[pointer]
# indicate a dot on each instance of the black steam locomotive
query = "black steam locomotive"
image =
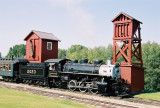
(65, 73)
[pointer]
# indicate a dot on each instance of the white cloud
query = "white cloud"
(84, 24)
(66, 3)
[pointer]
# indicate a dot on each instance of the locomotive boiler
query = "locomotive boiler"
(97, 67)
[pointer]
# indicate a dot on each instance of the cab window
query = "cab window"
(52, 67)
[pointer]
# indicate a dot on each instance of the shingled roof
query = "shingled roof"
(130, 17)
(43, 35)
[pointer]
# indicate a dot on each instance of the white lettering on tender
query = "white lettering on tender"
(31, 71)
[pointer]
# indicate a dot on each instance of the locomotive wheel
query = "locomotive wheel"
(93, 87)
(23, 81)
(82, 85)
(6, 79)
(53, 83)
(37, 83)
(27, 81)
(72, 85)
(10, 80)
(30, 82)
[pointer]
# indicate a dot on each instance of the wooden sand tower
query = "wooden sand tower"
(127, 46)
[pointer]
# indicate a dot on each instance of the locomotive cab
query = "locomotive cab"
(55, 66)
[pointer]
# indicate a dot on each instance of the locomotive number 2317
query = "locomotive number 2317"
(31, 71)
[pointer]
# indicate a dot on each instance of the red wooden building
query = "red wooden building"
(41, 46)
(127, 45)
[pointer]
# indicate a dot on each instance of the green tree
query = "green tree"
(18, 51)
(101, 52)
(62, 53)
(77, 52)
(152, 79)
(151, 63)
(109, 52)
(0, 55)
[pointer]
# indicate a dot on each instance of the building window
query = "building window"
(49, 45)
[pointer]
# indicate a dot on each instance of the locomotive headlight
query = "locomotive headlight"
(117, 70)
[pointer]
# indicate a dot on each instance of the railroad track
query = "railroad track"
(98, 101)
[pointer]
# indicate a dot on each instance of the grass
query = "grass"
(16, 99)
(149, 94)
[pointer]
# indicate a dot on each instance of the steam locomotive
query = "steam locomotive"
(96, 77)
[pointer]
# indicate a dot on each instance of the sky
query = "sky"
(84, 22)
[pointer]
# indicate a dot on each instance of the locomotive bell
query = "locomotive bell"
(109, 62)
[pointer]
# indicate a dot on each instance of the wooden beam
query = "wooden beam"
(122, 52)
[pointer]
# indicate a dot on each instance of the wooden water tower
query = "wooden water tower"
(127, 46)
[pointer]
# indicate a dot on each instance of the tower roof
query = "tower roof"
(42, 35)
(126, 15)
